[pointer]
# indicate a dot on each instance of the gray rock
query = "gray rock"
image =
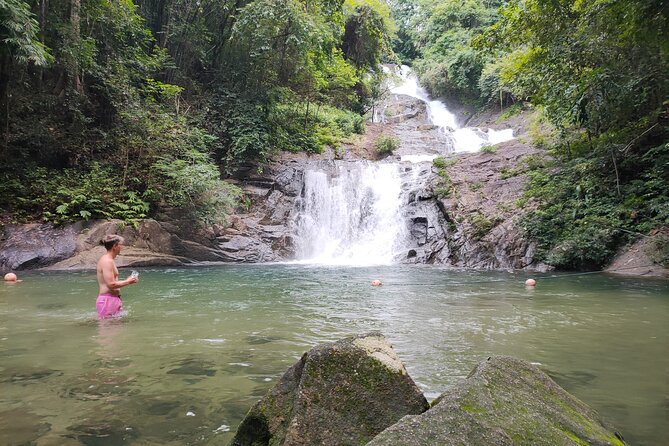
(36, 245)
(238, 243)
(289, 179)
(504, 401)
(479, 216)
(642, 257)
(245, 249)
(78, 246)
(342, 393)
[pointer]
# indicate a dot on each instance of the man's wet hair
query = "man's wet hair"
(109, 241)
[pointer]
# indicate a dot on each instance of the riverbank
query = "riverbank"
(464, 213)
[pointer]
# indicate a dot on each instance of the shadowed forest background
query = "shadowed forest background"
(115, 109)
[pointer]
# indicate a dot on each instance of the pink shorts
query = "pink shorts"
(108, 305)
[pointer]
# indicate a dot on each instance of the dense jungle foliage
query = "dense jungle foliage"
(129, 110)
(596, 75)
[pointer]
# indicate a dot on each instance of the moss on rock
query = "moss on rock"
(504, 401)
(342, 393)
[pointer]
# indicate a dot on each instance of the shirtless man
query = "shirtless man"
(109, 300)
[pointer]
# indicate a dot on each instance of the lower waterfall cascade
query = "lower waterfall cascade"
(352, 214)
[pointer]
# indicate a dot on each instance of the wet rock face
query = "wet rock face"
(481, 210)
(427, 227)
(504, 401)
(263, 233)
(36, 245)
(342, 393)
(475, 225)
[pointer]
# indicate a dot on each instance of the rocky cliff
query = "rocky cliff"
(463, 214)
(463, 211)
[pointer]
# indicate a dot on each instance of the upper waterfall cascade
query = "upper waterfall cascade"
(464, 139)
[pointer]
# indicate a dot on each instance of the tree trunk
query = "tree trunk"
(4, 97)
(42, 37)
(75, 40)
(283, 69)
(224, 30)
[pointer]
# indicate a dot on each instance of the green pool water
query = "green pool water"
(198, 346)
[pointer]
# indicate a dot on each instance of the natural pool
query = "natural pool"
(200, 345)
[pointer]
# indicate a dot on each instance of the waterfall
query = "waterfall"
(351, 214)
(465, 139)
(369, 213)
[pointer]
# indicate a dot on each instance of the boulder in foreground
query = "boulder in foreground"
(504, 401)
(342, 393)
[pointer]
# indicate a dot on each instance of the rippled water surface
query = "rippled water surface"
(199, 346)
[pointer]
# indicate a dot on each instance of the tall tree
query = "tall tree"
(593, 63)
(19, 47)
(75, 44)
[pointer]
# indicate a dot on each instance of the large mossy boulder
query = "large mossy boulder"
(504, 401)
(343, 393)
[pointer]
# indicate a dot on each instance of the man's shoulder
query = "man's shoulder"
(105, 260)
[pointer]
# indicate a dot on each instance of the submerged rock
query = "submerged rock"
(20, 426)
(504, 401)
(342, 393)
(28, 376)
(102, 431)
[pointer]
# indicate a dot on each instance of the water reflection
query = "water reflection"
(108, 338)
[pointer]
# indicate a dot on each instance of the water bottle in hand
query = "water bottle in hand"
(134, 274)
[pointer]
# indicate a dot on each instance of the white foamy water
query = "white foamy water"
(438, 113)
(467, 139)
(418, 158)
(351, 215)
